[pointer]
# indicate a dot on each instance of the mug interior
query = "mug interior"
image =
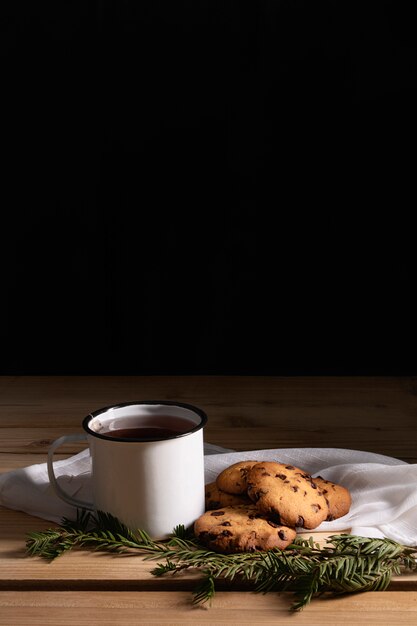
(163, 419)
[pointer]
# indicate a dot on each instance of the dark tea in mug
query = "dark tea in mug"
(163, 427)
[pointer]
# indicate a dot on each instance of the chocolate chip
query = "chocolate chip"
(313, 485)
(226, 524)
(294, 488)
(217, 513)
(316, 507)
(286, 481)
(226, 533)
(275, 516)
(300, 521)
(258, 494)
(273, 524)
(265, 474)
(281, 476)
(289, 467)
(282, 535)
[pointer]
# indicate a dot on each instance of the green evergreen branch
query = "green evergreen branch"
(347, 564)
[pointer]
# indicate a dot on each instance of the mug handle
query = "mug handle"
(58, 490)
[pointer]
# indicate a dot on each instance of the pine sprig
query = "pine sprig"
(100, 532)
(347, 564)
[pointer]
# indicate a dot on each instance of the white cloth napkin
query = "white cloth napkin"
(383, 489)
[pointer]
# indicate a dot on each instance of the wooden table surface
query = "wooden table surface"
(377, 414)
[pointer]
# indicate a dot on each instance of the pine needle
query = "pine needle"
(347, 564)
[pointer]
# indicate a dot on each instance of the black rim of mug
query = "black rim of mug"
(182, 405)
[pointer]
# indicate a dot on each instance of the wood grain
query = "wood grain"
(374, 414)
(231, 608)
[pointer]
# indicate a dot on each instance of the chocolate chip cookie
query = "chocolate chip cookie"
(338, 498)
(286, 494)
(241, 528)
(233, 478)
(216, 498)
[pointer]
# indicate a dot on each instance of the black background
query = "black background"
(208, 187)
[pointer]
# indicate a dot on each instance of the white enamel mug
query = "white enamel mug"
(153, 480)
